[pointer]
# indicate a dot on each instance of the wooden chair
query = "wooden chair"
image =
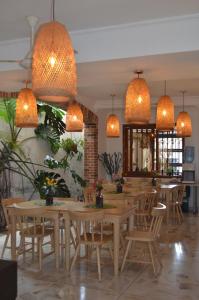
(84, 224)
(33, 224)
(145, 203)
(5, 203)
(149, 238)
(176, 203)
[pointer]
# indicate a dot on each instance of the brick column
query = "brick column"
(91, 152)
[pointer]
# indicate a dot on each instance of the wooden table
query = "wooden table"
(168, 189)
(114, 215)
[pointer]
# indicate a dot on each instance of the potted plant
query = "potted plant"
(49, 185)
(99, 197)
(119, 180)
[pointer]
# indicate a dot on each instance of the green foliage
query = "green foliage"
(72, 148)
(53, 126)
(7, 115)
(56, 189)
(112, 163)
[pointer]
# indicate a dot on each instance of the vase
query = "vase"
(99, 200)
(119, 188)
(154, 181)
(49, 200)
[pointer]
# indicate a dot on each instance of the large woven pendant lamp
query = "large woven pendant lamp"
(53, 67)
(165, 113)
(112, 123)
(74, 118)
(138, 103)
(183, 122)
(26, 109)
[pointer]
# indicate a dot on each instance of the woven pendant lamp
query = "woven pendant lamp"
(165, 113)
(74, 118)
(138, 103)
(26, 109)
(183, 123)
(54, 76)
(112, 123)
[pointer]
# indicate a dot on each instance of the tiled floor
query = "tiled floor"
(179, 279)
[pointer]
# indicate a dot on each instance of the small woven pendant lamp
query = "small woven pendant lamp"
(165, 113)
(54, 76)
(138, 103)
(74, 118)
(112, 123)
(26, 109)
(183, 122)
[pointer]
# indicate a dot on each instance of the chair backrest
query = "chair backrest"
(89, 194)
(85, 224)
(32, 217)
(147, 201)
(7, 202)
(181, 190)
(157, 214)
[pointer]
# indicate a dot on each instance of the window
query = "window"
(146, 150)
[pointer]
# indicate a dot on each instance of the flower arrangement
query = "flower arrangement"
(98, 185)
(50, 184)
(119, 180)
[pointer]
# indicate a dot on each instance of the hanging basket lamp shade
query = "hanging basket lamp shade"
(26, 109)
(112, 123)
(53, 66)
(112, 126)
(183, 123)
(74, 118)
(165, 113)
(138, 103)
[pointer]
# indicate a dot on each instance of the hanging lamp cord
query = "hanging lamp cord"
(53, 10)
(113, 96)
(183, 100)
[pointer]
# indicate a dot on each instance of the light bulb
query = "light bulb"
(25, 107)
(52, 61)
(112, 126)
(140, 99)
(164, 112)
(74, 118)
(182, 124)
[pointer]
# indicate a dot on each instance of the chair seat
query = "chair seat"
(37, 231)
(141, 212)
(97, 239)
(142, 236)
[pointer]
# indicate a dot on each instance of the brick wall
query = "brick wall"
(91, 152)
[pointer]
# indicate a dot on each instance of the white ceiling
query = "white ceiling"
(97, 80)
(84, 14)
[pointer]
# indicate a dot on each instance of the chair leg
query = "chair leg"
(125, 254)
(75, 257)
(5, 244)
(33, 249)
(152, 257)
(98, 263)
(40, 253)
(110, 250)
(157, 253)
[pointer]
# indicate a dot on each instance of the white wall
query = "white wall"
(36, 149)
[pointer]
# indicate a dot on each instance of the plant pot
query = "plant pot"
(99, 201)
(49, 200)
(119, 188)
(154, 181)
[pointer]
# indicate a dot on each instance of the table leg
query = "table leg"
(67, 243)
(13, 237)
(168, 195)
(56, 233)
(116, 246)
(195, 201)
